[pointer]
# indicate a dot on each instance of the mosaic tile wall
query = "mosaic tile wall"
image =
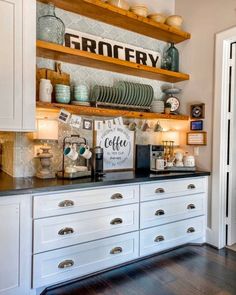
(21, 145)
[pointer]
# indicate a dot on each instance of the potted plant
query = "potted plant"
(167, 108)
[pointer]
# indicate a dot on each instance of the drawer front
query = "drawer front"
(72, 262)
(61, 231)
(84, 200)
(159, 212)
(172, 188)
(167, 236)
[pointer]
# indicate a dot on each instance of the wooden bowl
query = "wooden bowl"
(158, 17)
(174, 21)
(119, 3)
(140, 10)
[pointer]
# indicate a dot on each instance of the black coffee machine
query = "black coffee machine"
(97, 161)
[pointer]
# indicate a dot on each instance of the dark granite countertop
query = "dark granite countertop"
(17, 186)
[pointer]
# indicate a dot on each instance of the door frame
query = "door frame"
(217, 233)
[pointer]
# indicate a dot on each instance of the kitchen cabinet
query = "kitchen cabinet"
(15, 245)
(17, 63)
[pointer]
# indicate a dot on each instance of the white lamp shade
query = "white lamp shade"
(46, 129)
(171, 135)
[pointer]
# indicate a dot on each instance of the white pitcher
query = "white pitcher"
(45, 90)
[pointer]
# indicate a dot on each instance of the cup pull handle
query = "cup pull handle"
(66, 264)
(191, 207)
(160, 212)
(66, 203)
(116, 221)
(159, 239)
(116, 250)
(191, 186)
(160, 190)
(66, 231)
(190, 230)
(117, 196)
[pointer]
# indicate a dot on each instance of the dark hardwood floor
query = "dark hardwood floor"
(190, 270)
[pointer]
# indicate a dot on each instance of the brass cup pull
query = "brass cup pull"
(66, 231)
(191, 207)
(159, 239)
(160, 212)
(66, 203)
(190, 230)
(66, 264)
(116, 250)
(117, 196)
(160, 190)
(191, 186)
(116, 221)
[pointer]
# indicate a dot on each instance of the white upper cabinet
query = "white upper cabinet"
(17, 65)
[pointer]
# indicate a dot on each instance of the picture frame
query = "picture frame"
(196, 125)
(196, 138)
(197, 111)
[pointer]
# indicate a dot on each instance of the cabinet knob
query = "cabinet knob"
(66, 263)
(117, 196)
(159, 239)
(191, 186)
(66, 231)
(190, 230)
(160, 190)
(66, 203)
(191, 207)
(160, 212)
(116, 250)
(116, 221)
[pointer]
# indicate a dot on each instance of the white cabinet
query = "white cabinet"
(15, 245)
(17, 65)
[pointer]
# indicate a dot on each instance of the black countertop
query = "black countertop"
(17, 186)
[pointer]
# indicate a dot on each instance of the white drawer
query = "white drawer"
(159, 212)
(66, 230)
(172, 188)
(167, 236)
(72, 262)
(83, 200)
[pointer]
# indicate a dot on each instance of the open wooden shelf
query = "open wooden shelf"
(88, 59)
(115, 16)
(105, 112)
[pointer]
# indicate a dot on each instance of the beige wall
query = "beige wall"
(203, 19)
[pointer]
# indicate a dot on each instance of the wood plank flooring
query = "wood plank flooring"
(190, 270)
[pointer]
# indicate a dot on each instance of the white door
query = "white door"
(231, 157)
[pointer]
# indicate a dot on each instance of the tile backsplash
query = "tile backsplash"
(18, 148)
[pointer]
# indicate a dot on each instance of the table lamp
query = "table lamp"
(47, 129)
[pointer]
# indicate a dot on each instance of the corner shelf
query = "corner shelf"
(98, 10)
(105, 112)
(88, 59)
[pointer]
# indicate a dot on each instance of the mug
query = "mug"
(161, 164)
(189, 161)
(85, 152)
(45, 90)
(71, 153)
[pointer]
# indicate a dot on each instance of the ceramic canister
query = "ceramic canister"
(45, 90)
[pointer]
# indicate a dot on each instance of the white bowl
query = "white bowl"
(174, 21)
(119, 3)
(140, 10)
(158, 17)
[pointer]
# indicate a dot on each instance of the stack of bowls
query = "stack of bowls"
(62, 93)
(81, 95)
(157, 106)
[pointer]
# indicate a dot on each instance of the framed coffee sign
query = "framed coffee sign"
(114, 49)
(118, 148)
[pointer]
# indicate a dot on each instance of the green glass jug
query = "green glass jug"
(173, 53)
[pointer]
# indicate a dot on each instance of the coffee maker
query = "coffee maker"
(156, 152)
(97, 161)
(146, 156)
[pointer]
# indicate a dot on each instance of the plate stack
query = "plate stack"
(158, 106)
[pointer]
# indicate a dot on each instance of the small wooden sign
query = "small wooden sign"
(118, 148)
(196, 138)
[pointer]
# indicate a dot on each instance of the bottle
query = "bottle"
(51, 28)
(173, 54)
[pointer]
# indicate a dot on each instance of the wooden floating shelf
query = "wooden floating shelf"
(118, 17)
(104, 112)
(88, 59)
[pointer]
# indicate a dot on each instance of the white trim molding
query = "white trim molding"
(217, 234)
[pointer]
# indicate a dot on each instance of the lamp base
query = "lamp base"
(45, 161)
(43, 175)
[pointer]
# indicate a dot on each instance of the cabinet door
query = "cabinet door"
(15, 84)
(15, 245)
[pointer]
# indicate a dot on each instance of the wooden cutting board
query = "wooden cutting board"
(56, 77)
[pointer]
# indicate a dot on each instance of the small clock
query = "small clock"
(198, 111)
(175, 103)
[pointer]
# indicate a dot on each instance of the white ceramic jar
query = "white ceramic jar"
(189, 161)
(45, 90)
